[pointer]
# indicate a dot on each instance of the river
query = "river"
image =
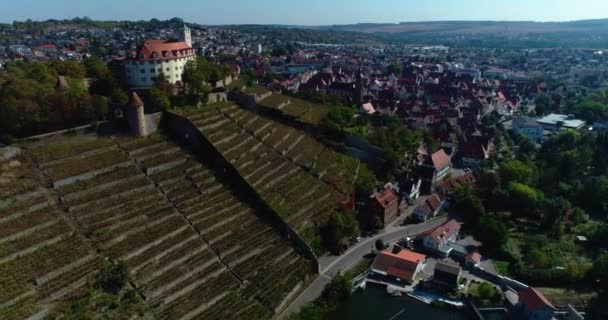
(374, 304)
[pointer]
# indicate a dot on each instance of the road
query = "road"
(330, 266)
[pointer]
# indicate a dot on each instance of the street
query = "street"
(330, 266)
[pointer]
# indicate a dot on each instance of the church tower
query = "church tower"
(187, 36)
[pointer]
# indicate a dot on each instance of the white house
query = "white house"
(438, 240)
(156, 57)
(429, 208)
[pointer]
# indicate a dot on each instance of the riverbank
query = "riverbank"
(374, 303)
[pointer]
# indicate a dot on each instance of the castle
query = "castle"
(155, 57)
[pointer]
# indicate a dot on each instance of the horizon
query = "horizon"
(305, 25)
(311, 13)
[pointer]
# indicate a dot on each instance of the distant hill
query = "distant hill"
(513, 27)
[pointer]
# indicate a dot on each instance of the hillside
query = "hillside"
(296, 176)
(193, 248)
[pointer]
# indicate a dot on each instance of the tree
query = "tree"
(69, 68)
(341, 116)
(486, 291)
(516, 171)
(164, 85)
(594, 197)
(467, 205)
(95, 68)
(599, 271)
(554, 211)
(366, 181)
(159, 99)
(492, 232)
(379, 245)
(524, 199)
(338, 290)
(341, 227)
(112, 278)
(543, 104)
(395, 68)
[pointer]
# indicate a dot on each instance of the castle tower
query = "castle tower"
(135, 116)
(187, 36)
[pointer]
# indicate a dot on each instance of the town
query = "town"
(176, 170)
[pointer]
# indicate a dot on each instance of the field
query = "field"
(193, 249)
(300, 179)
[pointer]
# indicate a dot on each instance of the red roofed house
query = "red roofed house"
(473, 153)
(155, 57)
(432, 168)
(439, 239)
(473, 259)
(429, 208)
(442, 164)
(385, 205)
(446, 188)
(399, 264)
(534, 305)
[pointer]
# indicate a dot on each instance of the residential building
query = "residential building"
(533, 305)
(439, 240)
(384, 204)
(445, 188)
(156, 57)
(472, 153)
(432, 168)
(399, 265)
(429, 208)
(409, 187)
(446, 275)
(529, 128)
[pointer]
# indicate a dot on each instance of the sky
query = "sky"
(305, 12)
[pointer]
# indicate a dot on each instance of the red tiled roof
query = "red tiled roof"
(448, 185)
(159, 49)
(402, 264)
(440, 160)
(386, 197)
(533, 299)
(445, 230)
(433, 202)
(474, 257)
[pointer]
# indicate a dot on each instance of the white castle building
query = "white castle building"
(154, 57)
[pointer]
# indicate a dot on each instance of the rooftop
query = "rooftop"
(565, 120)
(402, 264)
(533, 299)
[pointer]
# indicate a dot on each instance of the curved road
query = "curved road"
(330, 266)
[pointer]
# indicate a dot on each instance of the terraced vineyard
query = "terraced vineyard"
(300, 110)
(43, 258)
(193, 249)
(298, 177)
(265, 263)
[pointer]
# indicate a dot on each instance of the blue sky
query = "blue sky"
(305, 12)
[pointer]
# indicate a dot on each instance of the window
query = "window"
(152, 70)
(142, 70)
(143, 78)
(176, 68)
(168, 69)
